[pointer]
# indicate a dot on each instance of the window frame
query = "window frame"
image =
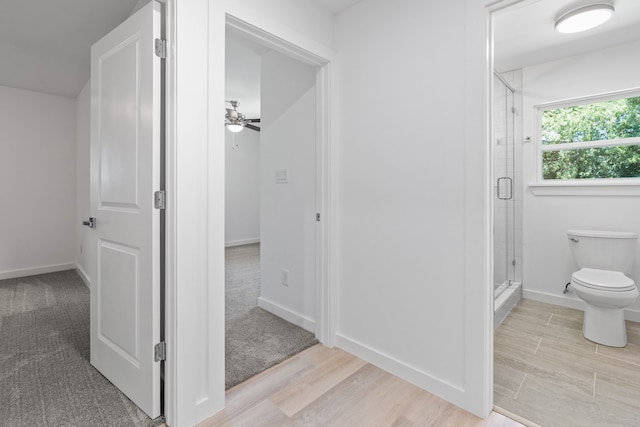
(597, 186)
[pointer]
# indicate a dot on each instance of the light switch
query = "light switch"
(282, 176)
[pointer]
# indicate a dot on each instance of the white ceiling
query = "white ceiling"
(242, 75)
(45, 45)
(525, 35)
(337, 6)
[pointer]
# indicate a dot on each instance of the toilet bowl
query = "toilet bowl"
(604, 257)
(606, 294)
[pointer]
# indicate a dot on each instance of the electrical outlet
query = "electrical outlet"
(285, 277)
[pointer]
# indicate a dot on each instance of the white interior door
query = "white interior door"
(125, 173)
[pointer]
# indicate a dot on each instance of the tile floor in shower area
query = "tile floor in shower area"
(546, 372)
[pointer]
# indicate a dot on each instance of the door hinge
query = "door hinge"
(159, 199)
(161, 48)
(317, 217)
(160, 352)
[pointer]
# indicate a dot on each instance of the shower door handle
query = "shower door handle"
(508, 183)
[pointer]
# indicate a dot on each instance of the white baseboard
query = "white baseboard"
(288, 315)
(571, 302)
(562, 301)
(32, 271)
(442, 388)
(83, 275)
(633, 315)
(241, 242)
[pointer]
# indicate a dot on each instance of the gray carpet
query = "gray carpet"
(45, 375)
(242, 280)
(254, 338)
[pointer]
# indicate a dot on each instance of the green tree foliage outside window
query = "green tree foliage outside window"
(609, 120)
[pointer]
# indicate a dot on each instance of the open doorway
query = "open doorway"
(545, 370)
(270, 207)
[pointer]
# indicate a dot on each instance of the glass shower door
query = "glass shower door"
(503, 174)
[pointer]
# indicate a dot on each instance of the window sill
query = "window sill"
(573, 188)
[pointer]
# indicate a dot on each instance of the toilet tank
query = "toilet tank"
(605, 250)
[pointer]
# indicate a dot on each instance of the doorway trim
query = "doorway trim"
(491, 8)
(324, 318)
(194, 376)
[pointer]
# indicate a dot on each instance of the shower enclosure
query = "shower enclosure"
(507, 198)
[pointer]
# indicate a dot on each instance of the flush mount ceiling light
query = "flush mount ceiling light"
(584, 18)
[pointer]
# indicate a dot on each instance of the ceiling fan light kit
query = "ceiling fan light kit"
(234, 127)
(235, 121)
(584, 18)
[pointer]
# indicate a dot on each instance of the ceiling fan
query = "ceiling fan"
(235, 120)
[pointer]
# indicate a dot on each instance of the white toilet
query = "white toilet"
(604, 257)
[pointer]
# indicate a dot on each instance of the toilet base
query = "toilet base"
(604, 326)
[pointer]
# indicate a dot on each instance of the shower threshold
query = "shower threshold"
(505, 301)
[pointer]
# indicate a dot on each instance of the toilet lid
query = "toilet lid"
(603, 280)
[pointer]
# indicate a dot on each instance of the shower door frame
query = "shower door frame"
(504, 248)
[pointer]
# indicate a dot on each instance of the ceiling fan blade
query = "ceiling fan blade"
(253, 120)
(252, 127)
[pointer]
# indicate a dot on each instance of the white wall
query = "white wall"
(412, 218)
(242, 68)
(83, 140)
(242, 188)
(37, 182)
(287, 213)
(412, 181)
(242, 150)
(547, 257)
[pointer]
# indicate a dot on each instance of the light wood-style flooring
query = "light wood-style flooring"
(546, 371)
(329, 387)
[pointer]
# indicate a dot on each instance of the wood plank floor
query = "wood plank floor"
(546, 371)
(329, 387)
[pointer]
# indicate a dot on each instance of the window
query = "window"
(594, 138)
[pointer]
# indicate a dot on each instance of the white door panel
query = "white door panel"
(118, 287)
(119, 98)
(125, 171)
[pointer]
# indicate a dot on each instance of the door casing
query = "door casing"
(189, 397)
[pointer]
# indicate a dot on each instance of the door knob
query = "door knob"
(91, 223)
